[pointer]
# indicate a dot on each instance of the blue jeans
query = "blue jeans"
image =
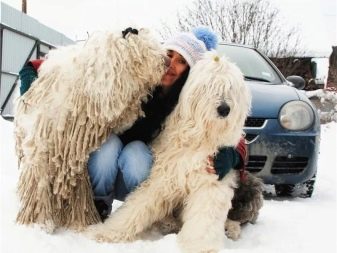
(113, 163)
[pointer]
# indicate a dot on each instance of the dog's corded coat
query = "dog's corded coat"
(84, 92)
(194, 130)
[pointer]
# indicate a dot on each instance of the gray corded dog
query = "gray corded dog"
(246, 204)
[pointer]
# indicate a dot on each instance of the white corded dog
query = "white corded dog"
(210, 113)
(83, 93)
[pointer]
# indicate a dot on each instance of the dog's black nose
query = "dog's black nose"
(223, 109)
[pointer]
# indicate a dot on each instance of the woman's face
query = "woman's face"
(176, 68)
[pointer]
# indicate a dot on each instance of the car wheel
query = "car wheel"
(303, 190)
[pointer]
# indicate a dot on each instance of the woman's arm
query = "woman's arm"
(28, 74)
(228, 158)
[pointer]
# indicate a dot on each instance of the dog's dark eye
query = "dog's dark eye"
(223, 109)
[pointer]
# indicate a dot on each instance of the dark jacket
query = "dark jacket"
(158, 107)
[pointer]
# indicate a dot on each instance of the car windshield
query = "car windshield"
(253, 66)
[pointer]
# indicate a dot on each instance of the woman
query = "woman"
(124, 161)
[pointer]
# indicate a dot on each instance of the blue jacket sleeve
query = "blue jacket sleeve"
(27, 75)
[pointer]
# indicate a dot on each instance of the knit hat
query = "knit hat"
(192, 45)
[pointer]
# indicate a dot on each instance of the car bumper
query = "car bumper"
(279, 156)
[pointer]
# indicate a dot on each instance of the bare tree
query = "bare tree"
(254, 23)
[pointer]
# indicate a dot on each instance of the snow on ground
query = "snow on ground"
(284, 225)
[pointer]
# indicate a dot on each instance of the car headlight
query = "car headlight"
(296, 115)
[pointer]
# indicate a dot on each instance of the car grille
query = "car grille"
(256, 163)
(286, 165)
(254, 122)
(250, 137)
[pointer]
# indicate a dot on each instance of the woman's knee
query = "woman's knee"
(107, 153)
(102, 164)
(135, 163)
(113, 144)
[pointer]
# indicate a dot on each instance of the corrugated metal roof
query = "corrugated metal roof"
(6, 84)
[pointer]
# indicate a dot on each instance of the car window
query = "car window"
(253, 66)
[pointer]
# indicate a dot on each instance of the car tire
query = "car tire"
(302, 190)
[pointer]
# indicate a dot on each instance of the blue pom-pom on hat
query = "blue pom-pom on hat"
(207, 36)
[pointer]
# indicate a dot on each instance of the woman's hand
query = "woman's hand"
(210, 165)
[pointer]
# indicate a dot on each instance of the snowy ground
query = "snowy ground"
(285, 225)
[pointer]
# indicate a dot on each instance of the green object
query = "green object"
(27, 75)
(226, 159)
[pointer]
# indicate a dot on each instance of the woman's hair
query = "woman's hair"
(172, 96)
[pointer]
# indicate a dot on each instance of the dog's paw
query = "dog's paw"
(117, 236)
(101, 233)
(110, 236)
(168, 225)
(91, 231)
(232, 229)
(48, 226)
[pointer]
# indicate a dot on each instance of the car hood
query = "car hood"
(267, 99)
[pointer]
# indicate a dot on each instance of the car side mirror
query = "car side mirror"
(296, 81)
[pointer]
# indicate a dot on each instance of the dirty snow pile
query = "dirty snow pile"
(328, 104)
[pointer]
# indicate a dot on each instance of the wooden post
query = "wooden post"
(332, 77)
(24, 6)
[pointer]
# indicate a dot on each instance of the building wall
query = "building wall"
(314, 70)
